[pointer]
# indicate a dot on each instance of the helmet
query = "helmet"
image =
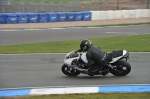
(85, 44)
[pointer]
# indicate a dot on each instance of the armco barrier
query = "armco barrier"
(75, 89)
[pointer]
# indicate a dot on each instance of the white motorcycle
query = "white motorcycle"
(117, 66)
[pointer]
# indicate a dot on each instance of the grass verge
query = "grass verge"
(128, 24)
(90, 96)
(134, 43)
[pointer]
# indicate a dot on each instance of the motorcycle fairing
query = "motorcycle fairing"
(118, 55)
(84, 58)
(69, 58)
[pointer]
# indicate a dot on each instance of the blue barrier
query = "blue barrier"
(22, 17)
(11, 18)
(70, 16)
(33, 17)
(43, 17)
(62, 16)
(78, 16)
(52, 17)
(86, 16)
(2, 18)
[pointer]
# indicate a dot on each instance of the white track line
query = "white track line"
(122, 32)
(72, 86)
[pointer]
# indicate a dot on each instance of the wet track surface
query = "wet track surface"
(36, 70)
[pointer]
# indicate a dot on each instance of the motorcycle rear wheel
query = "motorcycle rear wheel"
(122, 66)
(65, 70)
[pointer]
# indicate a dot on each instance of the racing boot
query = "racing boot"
(104, 71)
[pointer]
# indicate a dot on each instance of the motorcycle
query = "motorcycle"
(118, 65)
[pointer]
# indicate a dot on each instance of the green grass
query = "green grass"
(134, 43)
(128, 24)
(90, 96)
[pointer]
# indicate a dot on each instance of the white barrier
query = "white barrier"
(148, 12)
(99, 15)
(103, 15)
(125, 14)
(120, 14)
(144, 13)
(132, 13)
(95, 15)
(138, 13)
(111, 14)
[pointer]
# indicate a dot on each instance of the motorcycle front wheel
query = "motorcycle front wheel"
(123, 67)
(66, 70)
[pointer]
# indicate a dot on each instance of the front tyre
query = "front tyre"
(122, 66)
(66, 70)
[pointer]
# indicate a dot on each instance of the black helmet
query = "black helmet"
(84, 45)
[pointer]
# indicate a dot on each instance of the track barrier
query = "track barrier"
(16, 18)
(45, 17)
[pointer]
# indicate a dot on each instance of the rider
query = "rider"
(95, 56)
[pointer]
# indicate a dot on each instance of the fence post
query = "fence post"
(117, 4)
(76, 6)
(22, 5)
(130, 3)
(42, 5)
(139, 3)
(59, 5)
(104, 5)
(90, 4)
(148, 2)
(3, 8)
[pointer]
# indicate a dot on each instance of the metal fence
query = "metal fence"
(70, 5)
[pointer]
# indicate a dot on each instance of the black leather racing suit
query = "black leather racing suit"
(95, 57)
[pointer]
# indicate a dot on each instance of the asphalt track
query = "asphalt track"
(33, 36)
(36, 70)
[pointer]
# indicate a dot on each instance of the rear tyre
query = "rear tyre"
(122, 66)
(66, 70)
